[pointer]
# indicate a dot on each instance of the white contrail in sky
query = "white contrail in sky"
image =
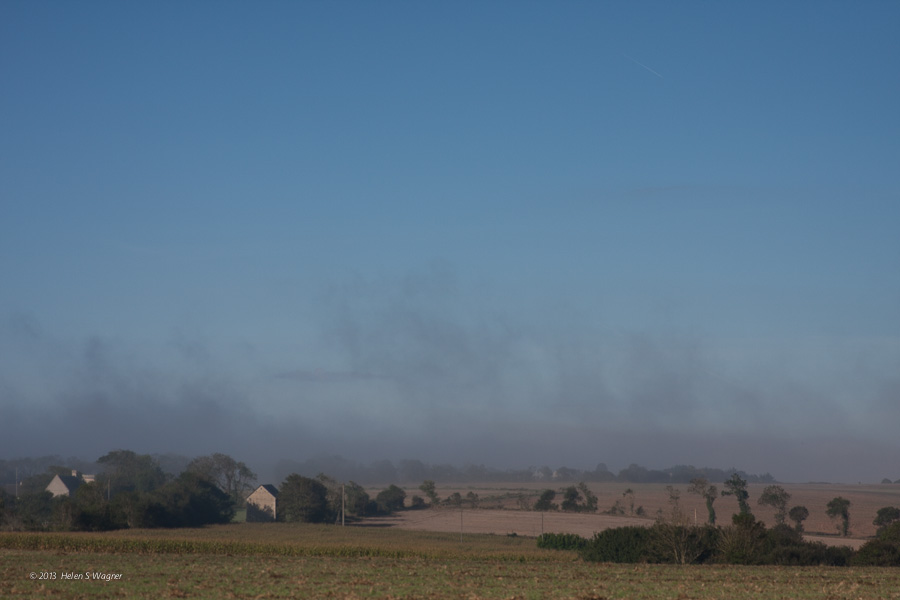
(642, 65)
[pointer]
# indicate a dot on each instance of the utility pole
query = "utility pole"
(342, 505)
(460, 522)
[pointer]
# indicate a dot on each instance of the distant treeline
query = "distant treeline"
(406, 471)
(416, 471)
(130, 490)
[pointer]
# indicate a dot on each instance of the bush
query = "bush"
(683, 544)
(743, 542)
(809, 554)
(390, 499)
(545, 502)
(891, 533)
(620, 545)
(878, 553)
(884, 551)
(561, 541)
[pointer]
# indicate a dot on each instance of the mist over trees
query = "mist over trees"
(236, 478)
(409, 471)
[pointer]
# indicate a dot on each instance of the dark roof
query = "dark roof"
(270, 488)
(71, 482)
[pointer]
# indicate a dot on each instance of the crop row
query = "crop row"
(66, 543)
(106, 544)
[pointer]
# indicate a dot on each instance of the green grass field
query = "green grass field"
(305, 561)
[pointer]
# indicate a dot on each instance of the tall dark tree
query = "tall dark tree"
(545, 501)
(32, 512)
(798, 514)
(233, 477)
(428, 488)
(776, 497)
(737, 487)
(302, 499)
(126, 471)
(571, 496)
(357, 501)
(93, 508)
(885, 516)
(702, 487)
(192, 501)
(590, 498)
(628, 495)
(838, 509)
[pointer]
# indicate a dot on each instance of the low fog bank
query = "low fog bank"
(271, 447)
(385, 376)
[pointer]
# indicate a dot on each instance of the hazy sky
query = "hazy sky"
(509, 233)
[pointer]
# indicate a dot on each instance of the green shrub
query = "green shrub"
(809, 554)
(683, 544)
(561, 541)
(878, 553)
(620, 545)
(884, 551)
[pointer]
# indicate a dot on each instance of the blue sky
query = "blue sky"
(507, 233)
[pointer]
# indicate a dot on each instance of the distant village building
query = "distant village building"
(65, 485)
(262, 504)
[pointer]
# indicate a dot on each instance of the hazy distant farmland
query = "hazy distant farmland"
(865, 501)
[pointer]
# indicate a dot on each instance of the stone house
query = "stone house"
(65, 485)
(262, 504)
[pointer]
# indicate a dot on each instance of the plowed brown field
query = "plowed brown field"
(500, 509)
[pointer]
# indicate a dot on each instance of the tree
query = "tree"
(702, 487)
(590, 498)
(545, 501)
(629, 497)
(428, 488)
(333, 496)
(233, 477)
(391, 499)
(357, 501)
(193, 501)
(776, 497)
(737, 487)
(798, 514)
(571, 496)
(674, 536)
(302, 499)
(126, 471)
(93, 509)
(33, 512)
(617, 508)
(838, 509)
(885, 516)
